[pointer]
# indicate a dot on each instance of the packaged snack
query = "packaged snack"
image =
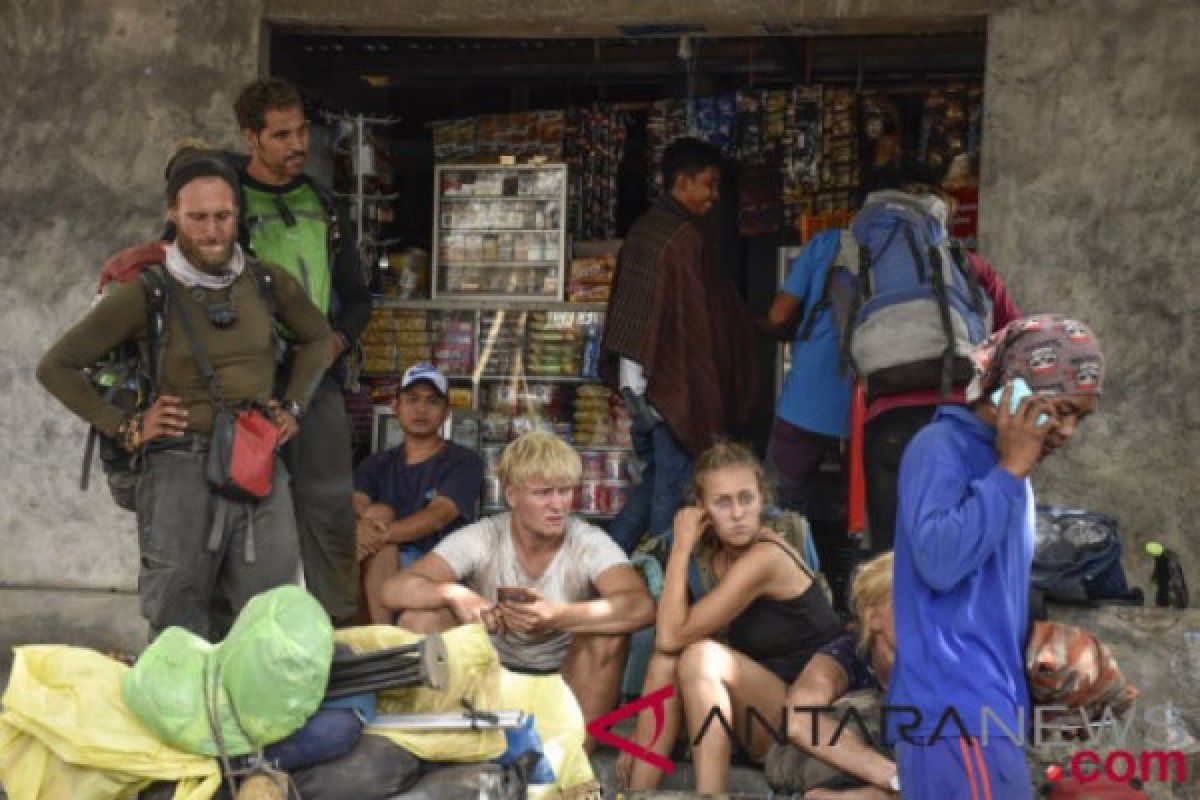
(614, 465)
(590, 492)
(593, 464)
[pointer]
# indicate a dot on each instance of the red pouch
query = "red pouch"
(241, 458)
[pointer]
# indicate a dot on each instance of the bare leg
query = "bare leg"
(424, 621)
(713, 676)
(851, 754)
(592, 669)
(633, 773)
(376, 569)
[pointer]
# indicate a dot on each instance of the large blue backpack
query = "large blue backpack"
(908, 308)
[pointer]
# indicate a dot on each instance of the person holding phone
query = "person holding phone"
(774, 611)
(965, 535)
(557, 594)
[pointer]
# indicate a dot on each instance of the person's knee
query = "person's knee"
(423, 621)
(700, 661)
(380, 514)
(804, 696)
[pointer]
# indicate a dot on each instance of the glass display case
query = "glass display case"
(499, 231)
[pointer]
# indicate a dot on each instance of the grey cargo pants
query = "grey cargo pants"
(319, 460)
(181, 580)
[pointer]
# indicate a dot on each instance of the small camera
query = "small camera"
(222, 315)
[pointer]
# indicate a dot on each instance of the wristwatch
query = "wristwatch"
(294, 408)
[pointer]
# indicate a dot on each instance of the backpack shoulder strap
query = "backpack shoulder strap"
(959, 255)
(154, 282)
(825, 301)
(265, 282)
(329, 203)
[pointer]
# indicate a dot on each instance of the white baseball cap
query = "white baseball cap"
(428, 373)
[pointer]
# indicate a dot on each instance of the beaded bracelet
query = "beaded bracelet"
(130, 432)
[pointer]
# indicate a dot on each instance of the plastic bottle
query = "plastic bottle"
(1170, 586)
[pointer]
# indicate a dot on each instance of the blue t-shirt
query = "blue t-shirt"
(965, 530)
(816, 392)
(453, 472)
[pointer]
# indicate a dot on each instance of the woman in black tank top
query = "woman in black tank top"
(766, 600)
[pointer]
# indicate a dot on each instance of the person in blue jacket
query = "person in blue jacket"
(964, 548)
(813, 414)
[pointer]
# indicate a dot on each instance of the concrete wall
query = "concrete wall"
(93, 96)
(1090, 201)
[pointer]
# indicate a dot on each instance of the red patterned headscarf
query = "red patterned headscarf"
(1055, 355)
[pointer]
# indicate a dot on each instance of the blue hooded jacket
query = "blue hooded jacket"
(965, 533)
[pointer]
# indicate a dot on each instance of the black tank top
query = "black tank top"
(783, 635)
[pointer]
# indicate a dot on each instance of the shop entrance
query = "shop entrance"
(519, 249)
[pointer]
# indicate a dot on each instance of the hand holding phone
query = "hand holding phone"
(512, 594)
(1020, 391)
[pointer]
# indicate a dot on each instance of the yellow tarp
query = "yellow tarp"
(475, 675)
(560, 726)
(65, 733)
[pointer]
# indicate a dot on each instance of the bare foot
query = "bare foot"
(624, 770)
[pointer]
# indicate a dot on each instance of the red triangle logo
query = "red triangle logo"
(599, 727)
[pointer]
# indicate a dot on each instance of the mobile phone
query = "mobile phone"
(1020, 391)
(512, 594)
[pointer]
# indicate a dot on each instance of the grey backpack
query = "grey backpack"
(908, 308)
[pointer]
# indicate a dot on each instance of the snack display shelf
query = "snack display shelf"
(499, 231)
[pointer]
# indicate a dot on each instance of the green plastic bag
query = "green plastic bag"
(275, 662)
(165, 690)
(263, 682)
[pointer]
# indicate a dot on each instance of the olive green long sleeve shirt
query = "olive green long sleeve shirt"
(242, 356)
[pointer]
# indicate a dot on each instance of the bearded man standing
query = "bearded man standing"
(290, 220)
(196, 554)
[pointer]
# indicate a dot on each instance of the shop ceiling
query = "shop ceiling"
(606, 18)
(393, 62)
(428, 60)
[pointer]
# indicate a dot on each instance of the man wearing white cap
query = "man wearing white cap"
(409, 497)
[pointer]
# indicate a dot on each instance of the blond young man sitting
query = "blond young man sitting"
(557, 594)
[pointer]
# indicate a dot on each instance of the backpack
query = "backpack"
(127, 375)
(908, 308)
(1077, 558)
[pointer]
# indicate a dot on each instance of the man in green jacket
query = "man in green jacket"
(199, 552)
(291, 221)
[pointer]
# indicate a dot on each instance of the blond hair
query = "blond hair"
(871, 588)
(539, 455)
(724, 455)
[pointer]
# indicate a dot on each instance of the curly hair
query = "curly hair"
(871, 588)
(261, 96)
